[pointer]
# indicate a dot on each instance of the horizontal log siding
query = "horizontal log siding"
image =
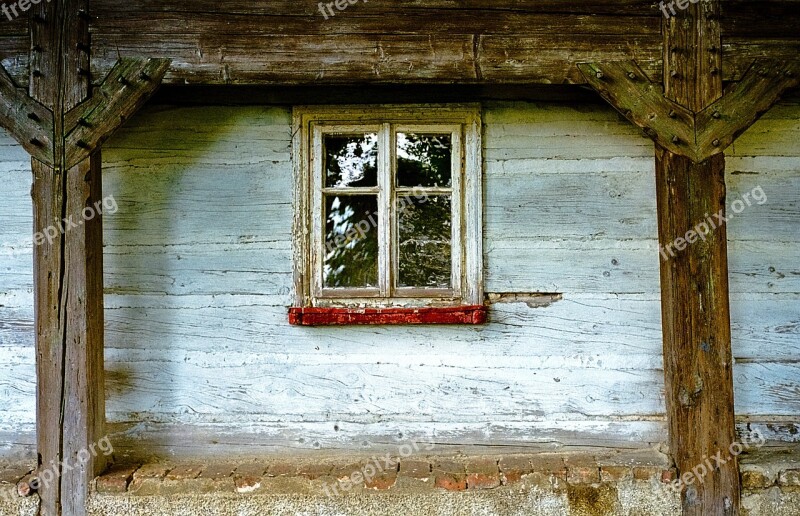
(198, 280)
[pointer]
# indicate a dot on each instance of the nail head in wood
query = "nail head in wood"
(599, 74)
(631, 75)
(715, 143)
(673, 73)
(716, 115)
(122, 80)
(675, 139)
(672, 114)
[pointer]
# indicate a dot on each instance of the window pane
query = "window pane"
(351, 241)
(424, 160)
(351, 161)
(425, 241)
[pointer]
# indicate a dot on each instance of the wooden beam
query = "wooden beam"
(692, 123)
(27, 121)
(718, 125)
(123, 92)
(68, 263)
(68, 273)
(695, 311)
(695, 135)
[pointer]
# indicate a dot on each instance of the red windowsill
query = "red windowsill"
(316, 316)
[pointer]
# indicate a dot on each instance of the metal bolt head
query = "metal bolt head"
(599, 74)
(716, 115)
(675, 139)
(672, 114)
(715, 143)
(631, 75)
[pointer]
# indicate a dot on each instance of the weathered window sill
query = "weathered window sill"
(317, 316)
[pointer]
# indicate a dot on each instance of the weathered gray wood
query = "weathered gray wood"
(28, 121)
(123, 92)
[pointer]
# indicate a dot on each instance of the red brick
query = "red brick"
(615, 473)
(381, 482)
(314, 471)
(415, 469)
(251, 469)
(483, 481)
(218, 471)
(550, 465)
(247, 483)
(647, 472)
(583, 474)
(282, 469)
(450, 482)
(185, 472)
(157, 471)
(116, 479)
(450, 466)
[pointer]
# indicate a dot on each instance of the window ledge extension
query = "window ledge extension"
(316, 316)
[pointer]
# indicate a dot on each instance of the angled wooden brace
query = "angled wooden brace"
(623, 85)
(742, 104)
(28, 121)
(697, 136)
(124, 90)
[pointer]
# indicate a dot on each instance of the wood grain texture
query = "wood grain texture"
(202, 241)
(695, 307)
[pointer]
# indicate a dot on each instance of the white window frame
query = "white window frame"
(463, 123)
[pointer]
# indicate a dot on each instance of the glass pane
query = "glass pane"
(424, 160)
(351, 161)
(351, 241)
(425, 241)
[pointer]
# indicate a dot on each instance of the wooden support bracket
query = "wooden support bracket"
(123, 92)
(27, 121)
(695, 135)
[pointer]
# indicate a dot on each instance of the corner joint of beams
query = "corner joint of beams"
(126, 88)
(27, 121)
(627, 88)
(695, 135)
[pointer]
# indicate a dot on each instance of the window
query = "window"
(388, 209)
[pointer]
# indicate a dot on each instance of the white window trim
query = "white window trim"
(467, 270)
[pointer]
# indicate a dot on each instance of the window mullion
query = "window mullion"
(385, 217)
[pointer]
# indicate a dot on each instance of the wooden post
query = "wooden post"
(68, 284)
(698, 364)
(62, 128)
(692, 120)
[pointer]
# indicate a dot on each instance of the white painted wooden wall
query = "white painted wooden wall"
(198, 281)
